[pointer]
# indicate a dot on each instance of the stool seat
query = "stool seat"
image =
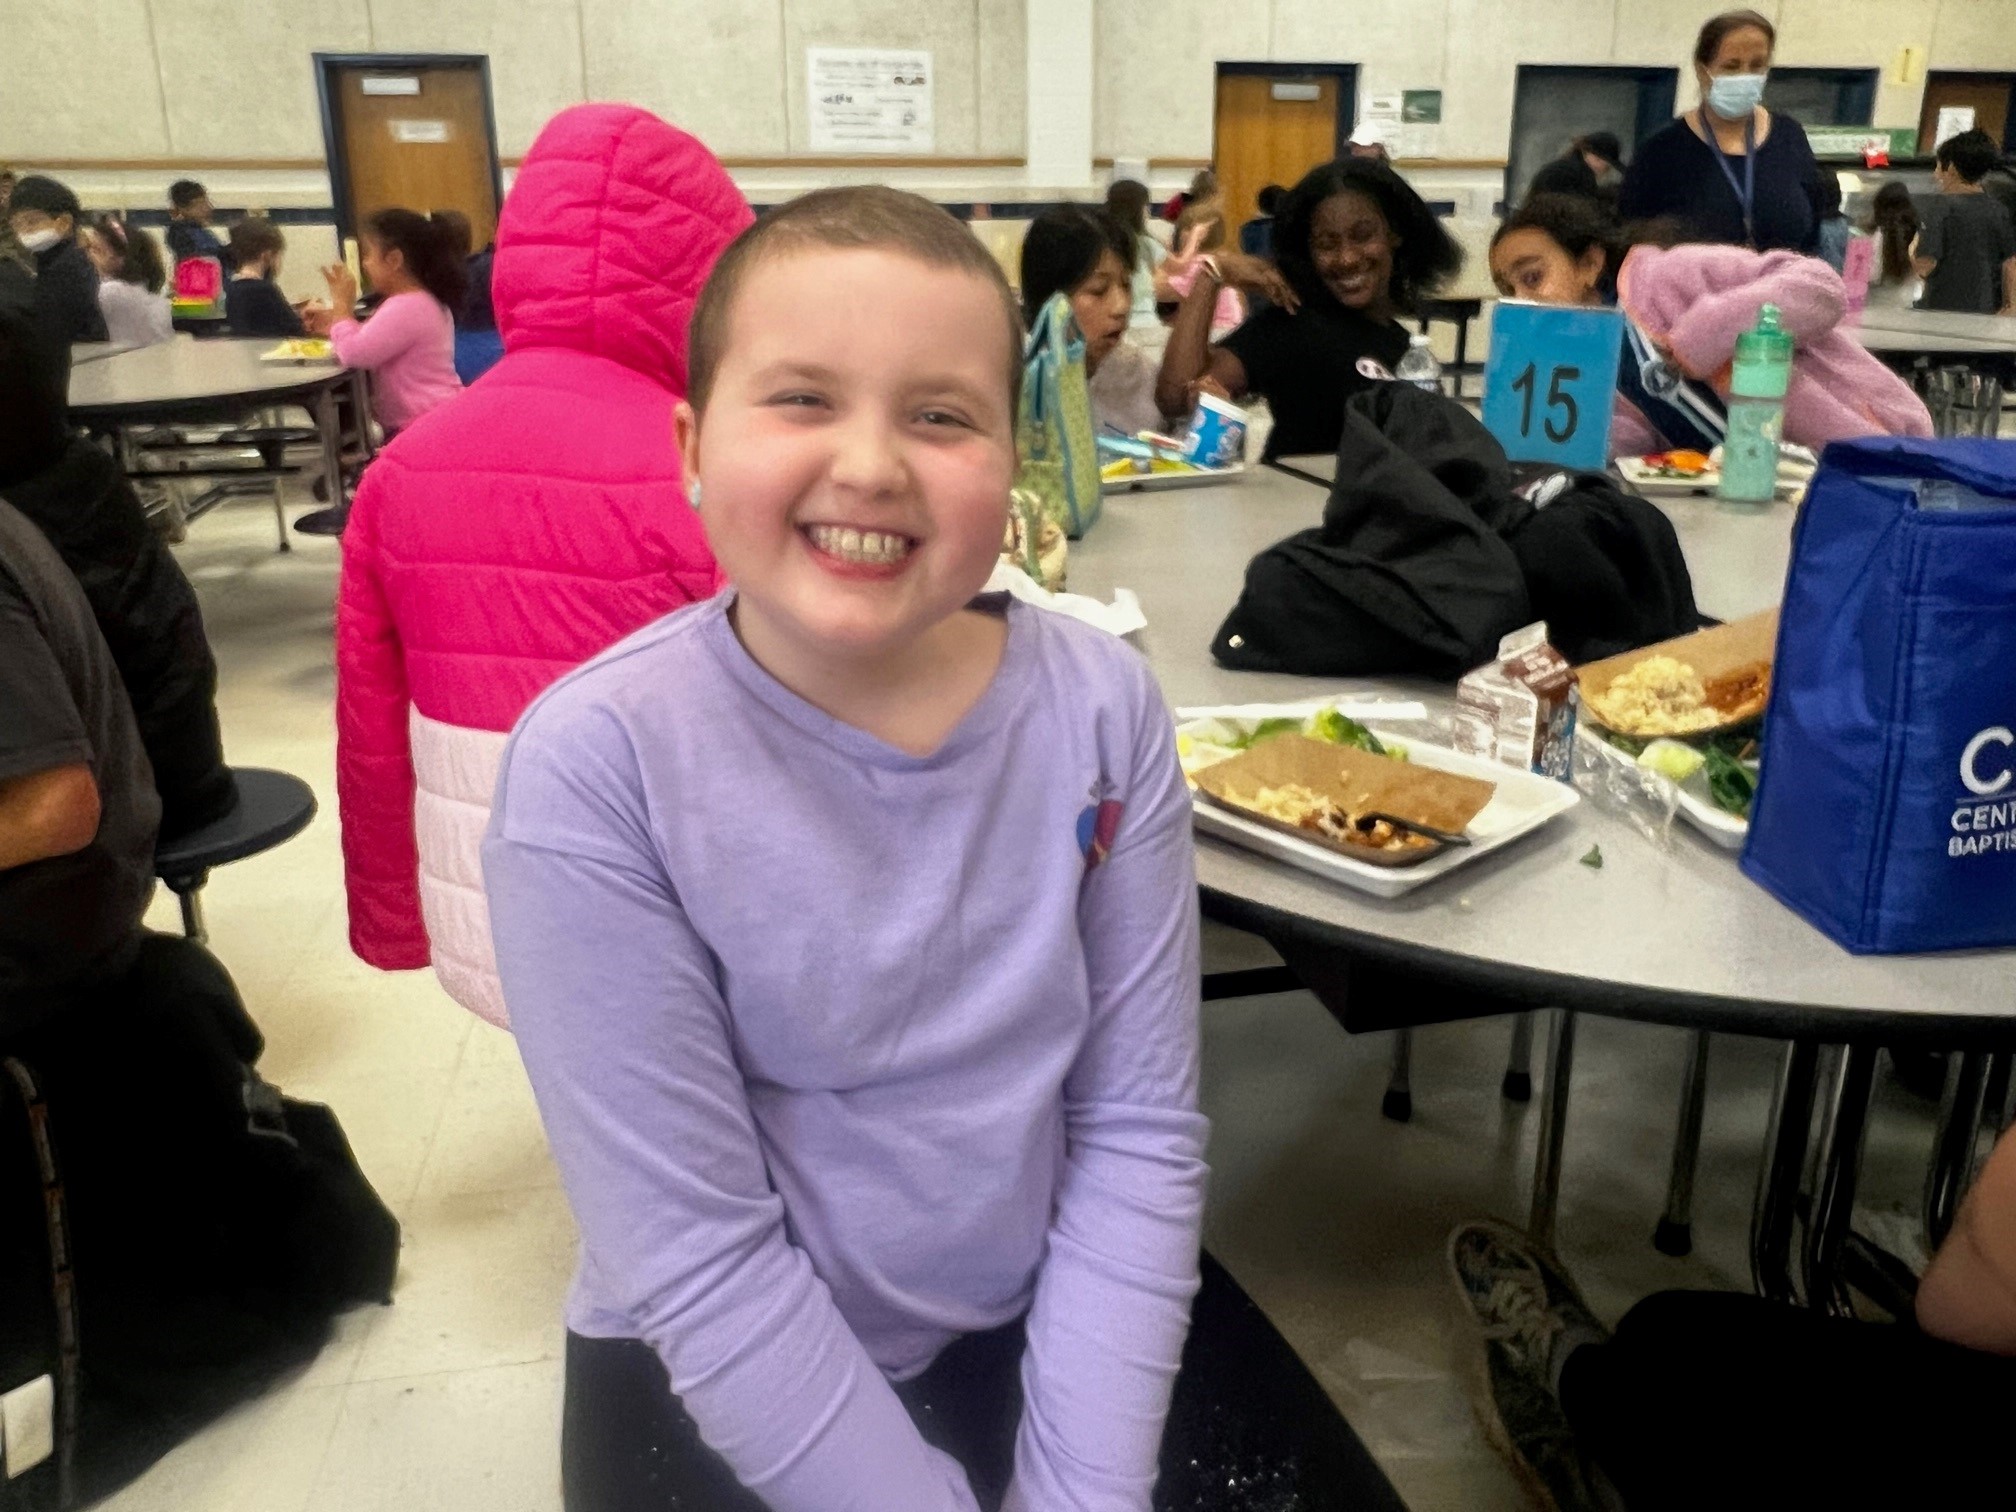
(273, 807)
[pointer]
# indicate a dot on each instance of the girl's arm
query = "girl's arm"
(620, 1019)
(1191, 358)
(1810, 296)
(394, 326)
(1112, 1307)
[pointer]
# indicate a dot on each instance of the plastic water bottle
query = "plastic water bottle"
(1419, 366)
(1758, 378)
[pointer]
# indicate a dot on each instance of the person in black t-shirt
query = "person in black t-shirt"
(253, 303)
(1966, 252)
(1355, 247)
(77, 804)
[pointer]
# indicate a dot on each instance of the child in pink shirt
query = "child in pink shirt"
(408, 343)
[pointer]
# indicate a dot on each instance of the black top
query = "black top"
(1307, 364)
(1970, 236)
(66, 295)
(256, 307)
(187, 239)
(66, 919)
(148, 614)
(1675, 175)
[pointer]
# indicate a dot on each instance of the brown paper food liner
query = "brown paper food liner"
(1733, 662)
(1356, 781)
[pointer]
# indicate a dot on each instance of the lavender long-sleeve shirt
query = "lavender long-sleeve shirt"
(844, 1052)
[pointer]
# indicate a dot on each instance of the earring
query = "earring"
(693, 493)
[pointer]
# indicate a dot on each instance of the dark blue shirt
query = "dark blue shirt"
(1674, 176)
(187, 239)
(256, 307)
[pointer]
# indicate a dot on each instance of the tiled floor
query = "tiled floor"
(1331, 1216)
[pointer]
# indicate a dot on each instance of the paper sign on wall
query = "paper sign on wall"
(1420, 124)
(869, 99)
(386, 84)
(1953, 119)
(419, 131)
(1550, 382)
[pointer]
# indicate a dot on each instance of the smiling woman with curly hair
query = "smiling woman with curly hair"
(1355, 246)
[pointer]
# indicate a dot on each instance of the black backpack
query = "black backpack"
(210, 1227)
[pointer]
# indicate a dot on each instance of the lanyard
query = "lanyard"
(1746, 192)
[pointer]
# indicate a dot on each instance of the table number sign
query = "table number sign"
(1549, 381)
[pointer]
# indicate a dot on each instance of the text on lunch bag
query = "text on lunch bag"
(1985, 770)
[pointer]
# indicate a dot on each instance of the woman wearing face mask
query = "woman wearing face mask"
(1356, 247)
(1729, 170)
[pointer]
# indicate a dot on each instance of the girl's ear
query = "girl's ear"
(686, 436)
(1591, 263)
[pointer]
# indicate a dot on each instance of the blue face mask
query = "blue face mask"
(1734, 96)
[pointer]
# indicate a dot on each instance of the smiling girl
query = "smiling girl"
(1356, 246)
(848, 926)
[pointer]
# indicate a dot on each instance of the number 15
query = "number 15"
(1556, 399)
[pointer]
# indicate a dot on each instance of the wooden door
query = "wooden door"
(1988, 93)
(1261, 140)
(416, 137)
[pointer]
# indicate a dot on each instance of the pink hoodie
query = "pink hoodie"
(1694, 301)
(508, 537)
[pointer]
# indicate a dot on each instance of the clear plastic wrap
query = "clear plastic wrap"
(1615, 783)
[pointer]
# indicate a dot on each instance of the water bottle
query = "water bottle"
(1419, 366)
(1758, 378)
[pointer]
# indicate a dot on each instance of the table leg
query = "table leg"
(1398, 1103)
(1954, 1142)
(360, 401)
(1779, 1172)
(330, 429)
(1553, 1130)
(1675, 1233)
(1841, 1137)
(1517, 1085)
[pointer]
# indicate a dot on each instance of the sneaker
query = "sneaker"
(323, 522)
(1525, 1316)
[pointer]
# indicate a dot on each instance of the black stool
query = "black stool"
(273, 807)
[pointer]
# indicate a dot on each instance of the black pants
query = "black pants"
(1250, 1427)
(1717, 1399)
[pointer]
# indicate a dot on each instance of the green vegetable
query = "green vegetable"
(1334, 726)
(1593, 859)
(1672, 758)
(1730, 783)
(1266, 728)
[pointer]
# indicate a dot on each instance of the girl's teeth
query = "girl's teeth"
(868, 546)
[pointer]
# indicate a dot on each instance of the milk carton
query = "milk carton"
(1520, 709)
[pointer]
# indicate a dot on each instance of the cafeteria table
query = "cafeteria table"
(186, 381)
(1664, 933)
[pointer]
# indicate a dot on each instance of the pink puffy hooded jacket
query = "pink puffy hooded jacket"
(1694, 301)
(512, 534)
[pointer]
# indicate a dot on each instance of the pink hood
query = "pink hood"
(613, 222)
(1694, 301)
(524, 526)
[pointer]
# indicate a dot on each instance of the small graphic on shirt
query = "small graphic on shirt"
(1099, 823)
(1373, 368)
